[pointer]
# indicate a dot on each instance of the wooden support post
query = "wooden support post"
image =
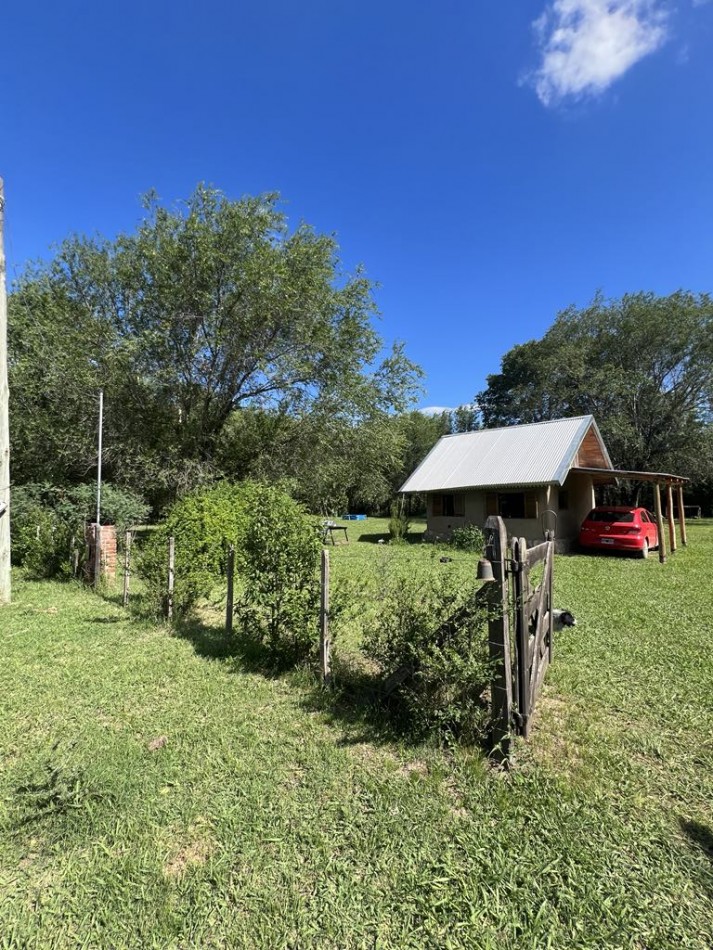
(659, 523)
(230, 571)
(127, 566)
(522, 634)
(499, 639)
(324, 642)
(171, 577)
(682, 516)
(671, 524)
(550, 593)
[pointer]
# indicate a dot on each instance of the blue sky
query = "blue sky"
(488, 163)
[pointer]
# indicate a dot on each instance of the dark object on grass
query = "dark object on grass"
(563, 618)
(445, 560)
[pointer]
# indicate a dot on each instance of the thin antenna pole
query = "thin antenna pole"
(98, 530)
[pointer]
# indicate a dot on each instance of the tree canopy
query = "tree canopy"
(207, 309)
(642, 365)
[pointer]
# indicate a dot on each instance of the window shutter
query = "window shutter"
(458, 506)
(530, 504)
(491, 503)
(437, 506)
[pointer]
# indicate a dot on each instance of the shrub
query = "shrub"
(49, 520)
(467, 538)
(202, 524)
(448, 662)
(278, 559)
(399, 522)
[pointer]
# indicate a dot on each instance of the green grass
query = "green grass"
(271, 818)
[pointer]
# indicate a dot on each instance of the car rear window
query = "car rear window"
(611, 516)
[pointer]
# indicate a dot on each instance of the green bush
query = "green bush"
(399, 522)
(448, 662)
(467, 538)
(48, 522)
(278, 560)
(202, 524)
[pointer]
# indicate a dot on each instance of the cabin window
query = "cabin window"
(563, 500)
(512, 504)
(448, 506)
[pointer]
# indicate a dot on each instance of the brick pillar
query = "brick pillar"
(107, 553)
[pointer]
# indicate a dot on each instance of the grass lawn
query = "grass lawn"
(163, 791)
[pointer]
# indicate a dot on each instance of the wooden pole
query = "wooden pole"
(659, 523)
(171, 573)
(325, 657)
(671, 523)
(5, 583)
(499, 639)
(230, 570)
(127, 566)
(682, 516)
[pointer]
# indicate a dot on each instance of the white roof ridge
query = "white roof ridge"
(518, 425)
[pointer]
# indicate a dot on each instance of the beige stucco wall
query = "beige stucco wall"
(581, 500)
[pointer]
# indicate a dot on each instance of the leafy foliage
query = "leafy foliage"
(278, 559)
(399, 522)
(206, 309)
(48, 521)
(449, 661)
(642, 365)
(202, 524)
(469, 537)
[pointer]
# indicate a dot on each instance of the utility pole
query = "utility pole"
(5, 589)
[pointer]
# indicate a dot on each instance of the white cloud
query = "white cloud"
(585, 45)
(435, 410)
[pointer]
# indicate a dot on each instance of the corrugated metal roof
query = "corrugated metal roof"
(537, 454)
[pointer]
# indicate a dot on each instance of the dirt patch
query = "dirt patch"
(417, 767)
(192, 854)
(372, 756)
(552, 743)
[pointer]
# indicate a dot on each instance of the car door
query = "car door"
(651, 531)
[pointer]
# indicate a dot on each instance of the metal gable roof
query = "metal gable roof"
(537, 454)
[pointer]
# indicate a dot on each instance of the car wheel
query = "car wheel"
(644, 552)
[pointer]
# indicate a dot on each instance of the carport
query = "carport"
(659, 479)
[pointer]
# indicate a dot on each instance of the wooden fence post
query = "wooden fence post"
(230, 570)
(671, 524)
(659, 523)
(682, 516)
(324, 643)
(499, 638)
(171, 575)
(127, 566)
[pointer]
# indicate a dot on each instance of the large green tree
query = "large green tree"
(642, 365)
(207, 308)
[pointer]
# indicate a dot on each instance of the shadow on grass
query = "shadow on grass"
(353, 704)
(701, 835)
(213, 643)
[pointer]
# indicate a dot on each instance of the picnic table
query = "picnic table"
(328, 529)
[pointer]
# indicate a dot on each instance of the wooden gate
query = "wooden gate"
(533, 616)
(518, 667)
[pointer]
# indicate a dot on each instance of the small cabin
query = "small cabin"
(536, 477)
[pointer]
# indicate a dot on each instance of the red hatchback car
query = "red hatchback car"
(620, 529)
